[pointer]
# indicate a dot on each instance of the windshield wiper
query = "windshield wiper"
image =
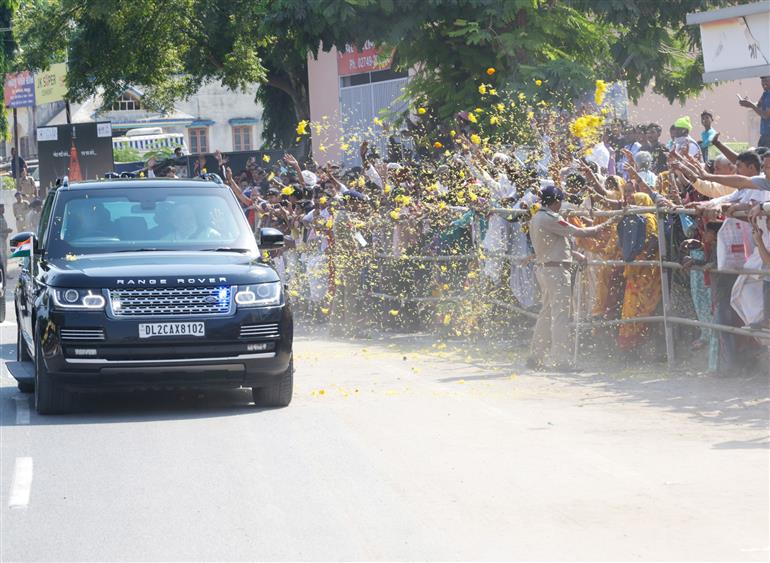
(147, 250)
(227, 249)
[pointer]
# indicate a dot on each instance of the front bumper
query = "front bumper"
(224, 357)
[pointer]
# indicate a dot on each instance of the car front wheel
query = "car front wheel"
(278, 394)
(50, 398)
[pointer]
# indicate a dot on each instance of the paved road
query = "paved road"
(393, 449)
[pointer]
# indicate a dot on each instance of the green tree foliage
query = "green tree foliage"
(172, 46)
(7, 8)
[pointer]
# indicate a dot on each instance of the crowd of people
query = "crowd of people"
(575, 226)
(434, 237)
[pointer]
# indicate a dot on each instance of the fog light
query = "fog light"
(71, 296)
(85, 351)
(259, 347)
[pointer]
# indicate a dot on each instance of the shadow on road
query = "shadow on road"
(710, 399)
(136, 406)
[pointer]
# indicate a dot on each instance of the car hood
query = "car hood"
(157, 269)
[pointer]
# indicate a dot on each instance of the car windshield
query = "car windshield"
(147, 219)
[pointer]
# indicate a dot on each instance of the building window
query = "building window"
(242, 138)
(199, 140)
(126, 102)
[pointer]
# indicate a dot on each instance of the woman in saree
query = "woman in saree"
(607, 280)
(642, 288)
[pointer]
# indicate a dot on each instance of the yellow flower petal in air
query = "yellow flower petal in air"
(393, 312)
(421, 111)
(288, 190)
(482, 89)
(452, 133)
(265, 158)
(325, 310)
(302, 127)
(491, 71)
(538, 82)
(472, 117)
(438, 145)
(475, 139)
(493, 92)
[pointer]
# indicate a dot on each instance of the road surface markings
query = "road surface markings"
(22, 483)
(22, 410)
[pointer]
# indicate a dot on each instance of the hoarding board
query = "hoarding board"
(80, 151)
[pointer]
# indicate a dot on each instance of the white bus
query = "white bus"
(148, 139)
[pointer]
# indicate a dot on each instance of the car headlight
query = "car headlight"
(78, 299)
(258, 294)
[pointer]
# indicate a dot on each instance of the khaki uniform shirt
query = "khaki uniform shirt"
(549, 232)
(27, 188)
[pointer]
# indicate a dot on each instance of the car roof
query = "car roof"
(140, 183)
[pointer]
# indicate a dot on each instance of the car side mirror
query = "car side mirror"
(270, 239)
(19, 238)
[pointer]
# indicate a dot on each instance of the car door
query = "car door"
(31, 282)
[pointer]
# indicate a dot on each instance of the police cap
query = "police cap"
(551, 194)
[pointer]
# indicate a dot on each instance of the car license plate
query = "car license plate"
(149, 330)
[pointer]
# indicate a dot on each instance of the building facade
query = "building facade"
(215, 118)
(348, 90)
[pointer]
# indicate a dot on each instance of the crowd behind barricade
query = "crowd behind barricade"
(420, 241)
(439, 237)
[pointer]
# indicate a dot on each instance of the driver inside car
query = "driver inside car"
(89, 219)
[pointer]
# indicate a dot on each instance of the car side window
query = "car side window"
(45, 215)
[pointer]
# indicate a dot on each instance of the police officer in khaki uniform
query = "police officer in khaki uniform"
(553, 257)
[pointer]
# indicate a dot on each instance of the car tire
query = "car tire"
(278, 394)
(50, 398)
(22, 352)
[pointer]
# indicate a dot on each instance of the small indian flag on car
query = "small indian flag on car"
(23, 249)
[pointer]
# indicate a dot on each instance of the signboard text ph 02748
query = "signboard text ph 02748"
(353, 61)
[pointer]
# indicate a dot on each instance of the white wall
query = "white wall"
(216, 103)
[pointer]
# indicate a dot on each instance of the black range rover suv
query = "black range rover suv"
(150, 284)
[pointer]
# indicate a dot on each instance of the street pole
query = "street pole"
(16, 146)
(665, 291)
(67, 111)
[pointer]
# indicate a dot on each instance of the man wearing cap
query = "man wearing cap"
(682, 138)
(553, 257)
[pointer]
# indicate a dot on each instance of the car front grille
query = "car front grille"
(82, 334)
(266, 330)
(171, 301)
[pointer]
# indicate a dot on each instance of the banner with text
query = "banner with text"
(19, 90)
(81, 151)
(51, 85)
